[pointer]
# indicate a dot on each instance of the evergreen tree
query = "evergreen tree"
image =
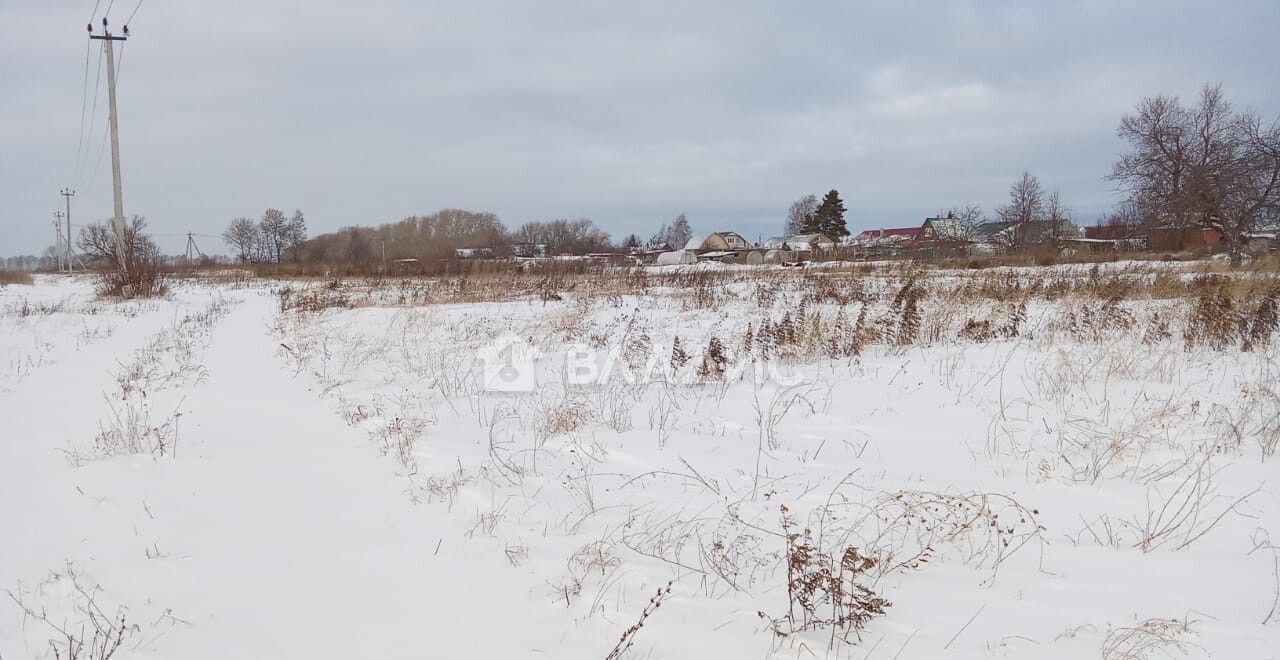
(829, 220)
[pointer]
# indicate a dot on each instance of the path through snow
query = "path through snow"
(280, 532)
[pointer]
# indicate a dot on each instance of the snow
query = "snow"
(338, 484)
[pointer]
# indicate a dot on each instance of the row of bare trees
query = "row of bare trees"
(270, 239)
(430, 237)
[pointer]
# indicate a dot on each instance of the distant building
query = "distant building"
(808, 243)
(473, 253)
(885, 237)
(717, 241)
(1009, 235)
(529, 250)
(942, 237)
(944, 230)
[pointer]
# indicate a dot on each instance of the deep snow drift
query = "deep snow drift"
(1049, 463)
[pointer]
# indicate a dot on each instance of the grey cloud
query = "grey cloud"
(367, 112)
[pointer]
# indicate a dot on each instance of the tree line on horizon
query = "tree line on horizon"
(1199, 165)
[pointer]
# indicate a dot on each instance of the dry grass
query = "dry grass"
(1152, 638)
(15, 277)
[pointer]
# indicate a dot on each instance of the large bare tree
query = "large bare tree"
(1058, 215)
(1026, 200)
(800, 215)
(242, 235)
(275, 231)
(1203, 166)
(97, 242)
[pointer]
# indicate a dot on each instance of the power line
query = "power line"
(93, 121)
(108, 11)
(94, 13)
(102, 149)
(84, 108)
(129, 20)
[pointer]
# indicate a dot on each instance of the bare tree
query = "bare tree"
(969, 216)
(274, 228)
(242, 235)
(1026, 200)
(563, 236)
(1058, 215)
(295, 231)
(97, 242)
(1155, 170)
(1204, 166)
(676, 234)
(433, 236)
(800, 215)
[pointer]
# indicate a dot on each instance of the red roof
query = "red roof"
(902, 231)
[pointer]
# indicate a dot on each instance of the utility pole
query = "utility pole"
(118, 220)
(192, 248)
(58, 251)
(68, 193)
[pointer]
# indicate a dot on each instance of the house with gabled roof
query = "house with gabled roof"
(885, 237)
(719, 241)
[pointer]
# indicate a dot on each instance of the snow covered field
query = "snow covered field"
(1067, 462)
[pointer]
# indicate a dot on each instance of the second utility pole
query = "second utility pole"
(118, 221)
(68, 193)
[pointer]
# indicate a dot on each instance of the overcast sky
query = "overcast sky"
(626, 113)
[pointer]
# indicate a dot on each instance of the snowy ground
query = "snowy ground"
(1049, 463)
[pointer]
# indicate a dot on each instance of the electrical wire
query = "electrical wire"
(93, 122)
(84, 109)
(106, 131)
(94, 13)
(133, 13)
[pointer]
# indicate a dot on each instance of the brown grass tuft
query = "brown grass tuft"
(15, 277)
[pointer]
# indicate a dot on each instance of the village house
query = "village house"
(884, 237)
(942, 237)
(720, 241)
(723, 246)
(809, 243)
(883, 242)
(1004, 235)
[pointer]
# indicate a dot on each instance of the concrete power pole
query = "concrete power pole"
(118, 220)
(58, 252)
(69, 193)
